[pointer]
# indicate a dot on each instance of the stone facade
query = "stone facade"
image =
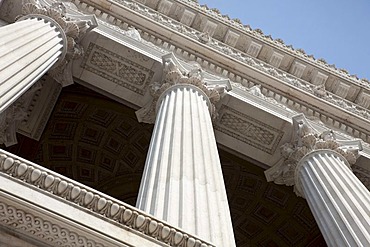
(131, 54)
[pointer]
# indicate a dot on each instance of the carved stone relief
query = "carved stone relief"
(15, 114)
(117, 69)
(83, 197)
(74, 27)
(40, 229)
(248, 130)
(317, 91)
(174, 73)
(305, 139)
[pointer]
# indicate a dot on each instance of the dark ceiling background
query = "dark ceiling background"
(98, 142)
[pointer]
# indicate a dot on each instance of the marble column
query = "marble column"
(338, 200)
(28, 49)
(182, 181)
(43, 39)
(319, 168)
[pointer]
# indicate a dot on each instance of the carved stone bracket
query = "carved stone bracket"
(14, 115)
(174, 73)
(305, 139)
(73, 25)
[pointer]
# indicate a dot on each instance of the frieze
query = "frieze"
(40, 229)
(248, 130)
(117, 69)
(92, 201)
(261, 66)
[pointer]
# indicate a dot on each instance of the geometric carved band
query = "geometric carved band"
(41, 229)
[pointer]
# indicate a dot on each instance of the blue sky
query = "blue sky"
(336, 30)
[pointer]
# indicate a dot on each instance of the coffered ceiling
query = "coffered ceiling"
(99, 142)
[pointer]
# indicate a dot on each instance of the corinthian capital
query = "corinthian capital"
(305, 139)
(73, 26)
(174, 73)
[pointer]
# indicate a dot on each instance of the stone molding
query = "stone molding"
(277, 43)
(81, 196)
(40, 108)
(315, 92)
(15, 115)
(249, 130)
(305, 140)
(72, 28)
(117, 69)
(29, 114)
(41, 229)
(175, 74)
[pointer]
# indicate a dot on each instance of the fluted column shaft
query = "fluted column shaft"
(338, 200)
(28, 48)
(182, 181)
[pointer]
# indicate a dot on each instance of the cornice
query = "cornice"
(276, 43)
(87, 199)
(311, 98)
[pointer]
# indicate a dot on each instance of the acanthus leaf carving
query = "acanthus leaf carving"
(305, 139)
(174, 74)
(74, 26)
(14, 115)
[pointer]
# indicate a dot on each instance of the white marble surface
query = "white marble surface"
(338, 200)
(29, 49)
(182, 181)
(12, 239)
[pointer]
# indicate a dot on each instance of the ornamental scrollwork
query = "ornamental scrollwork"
(175, 74)
(305, 139)
(74, 25)
(54, 185)
(42, 229)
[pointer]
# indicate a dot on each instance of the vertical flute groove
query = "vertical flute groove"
(337, 199)
(28, 49)
(187, 192)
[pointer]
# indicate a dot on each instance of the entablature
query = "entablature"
(123, 61)
(225, 61)
(226, 24)
(53, 210)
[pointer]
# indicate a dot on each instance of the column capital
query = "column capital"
(176, 74)
(13, 116)
(306, 140)
(73, 27)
